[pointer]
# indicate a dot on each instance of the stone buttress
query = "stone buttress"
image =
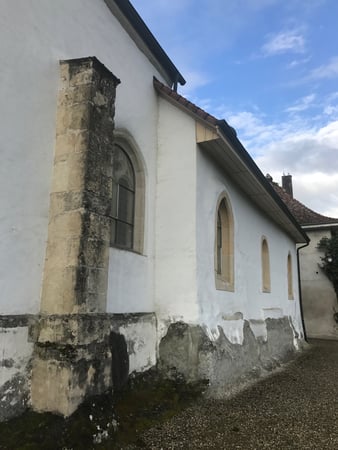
(72, 357)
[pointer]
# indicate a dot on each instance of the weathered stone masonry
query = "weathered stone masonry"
(76, 266)
(187, 351)
(72, 357)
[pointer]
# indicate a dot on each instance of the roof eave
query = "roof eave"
(129, 18)
(249, 173)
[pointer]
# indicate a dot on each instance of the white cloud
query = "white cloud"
(194, 32)
(333, 96)
(194, 80)
(284, 42)
(298, 62)
(311, 156)
(331, 110)
(302, 104)
(329, 70)
(255, 132)
(304, 151)
(317, 190)
(330, 106)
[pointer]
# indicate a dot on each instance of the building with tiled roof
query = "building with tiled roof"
(318, 296)
(304, 215)
(136, 231)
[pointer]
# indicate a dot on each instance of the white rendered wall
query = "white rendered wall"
(15, 351)
(35, 35)
(248, 301)
(141, 338)
(175, 264)
(318, 295)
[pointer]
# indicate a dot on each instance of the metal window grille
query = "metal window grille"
(123, 200)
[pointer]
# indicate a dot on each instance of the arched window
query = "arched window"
(127, 206)
(290, 283)
(266, 283)
(123, 200)
(224, 246)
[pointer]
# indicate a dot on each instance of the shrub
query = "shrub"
(330, 259)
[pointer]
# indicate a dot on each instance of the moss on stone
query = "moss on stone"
(103, 422)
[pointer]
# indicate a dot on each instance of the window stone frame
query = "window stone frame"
(125, 141)
(224, 280)
(265, 260)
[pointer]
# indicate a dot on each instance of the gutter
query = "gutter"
(300, 291)
(322, 225)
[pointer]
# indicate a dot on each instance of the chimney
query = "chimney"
(287, 184)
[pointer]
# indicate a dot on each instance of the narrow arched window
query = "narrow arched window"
(123, 200)
(219, 244)
(266, 283)
(290, 283)
(127, 209)
(224, 247)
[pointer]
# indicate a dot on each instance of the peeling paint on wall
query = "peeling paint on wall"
(188, 351)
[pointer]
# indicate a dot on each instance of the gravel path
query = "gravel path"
(297, 408)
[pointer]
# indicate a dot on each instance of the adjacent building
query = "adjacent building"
(318, 296)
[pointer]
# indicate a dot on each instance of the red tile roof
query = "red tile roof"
(303, 214)
(177, 98)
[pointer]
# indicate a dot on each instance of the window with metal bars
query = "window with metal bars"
(219, 244)
(123, 200)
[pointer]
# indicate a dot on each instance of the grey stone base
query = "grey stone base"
(187, 351)
(77, 356)
(80, 355)
(54, 362)
(63, 376)
(14, 397)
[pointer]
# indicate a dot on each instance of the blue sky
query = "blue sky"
(270, 68)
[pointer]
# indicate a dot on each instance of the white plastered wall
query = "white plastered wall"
(175, 264)
(15, 352)
(35, 35)
(248, 301)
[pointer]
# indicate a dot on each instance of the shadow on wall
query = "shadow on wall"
(119, 360)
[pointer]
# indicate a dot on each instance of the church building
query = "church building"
(136, 230)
